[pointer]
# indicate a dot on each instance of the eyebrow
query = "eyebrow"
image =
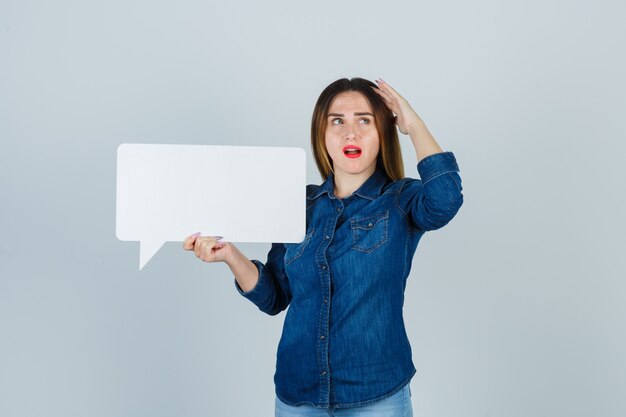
(356, 114)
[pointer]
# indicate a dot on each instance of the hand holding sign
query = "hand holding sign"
(208, 249)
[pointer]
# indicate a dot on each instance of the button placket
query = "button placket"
(325, 280)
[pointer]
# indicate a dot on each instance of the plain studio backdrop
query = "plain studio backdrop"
(515, 308)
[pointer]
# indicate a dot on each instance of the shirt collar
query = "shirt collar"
(370, 189)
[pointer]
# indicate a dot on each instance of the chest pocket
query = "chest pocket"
(294, 250)
(370, 232)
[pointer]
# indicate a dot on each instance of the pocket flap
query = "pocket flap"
(369, 222)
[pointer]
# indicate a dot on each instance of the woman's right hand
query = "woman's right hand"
(208, 248)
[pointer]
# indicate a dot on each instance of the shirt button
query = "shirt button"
(338, 209)
(325, 300)
(323, 267)
(322, 337)
(323, 372)
(327, 237)
(370, 224)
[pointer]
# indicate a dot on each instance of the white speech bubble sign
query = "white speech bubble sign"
(243, 193)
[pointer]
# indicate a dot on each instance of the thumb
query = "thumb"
(190, 241)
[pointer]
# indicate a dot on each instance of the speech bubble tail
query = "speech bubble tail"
(147, 249)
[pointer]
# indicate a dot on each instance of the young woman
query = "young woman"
(344, 350)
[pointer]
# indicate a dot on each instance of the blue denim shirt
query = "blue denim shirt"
(343, 342)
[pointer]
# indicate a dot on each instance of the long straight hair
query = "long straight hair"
(389, 157)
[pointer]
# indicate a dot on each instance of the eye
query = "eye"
(365, 121)
(336, 120)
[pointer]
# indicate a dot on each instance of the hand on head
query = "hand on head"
(405, 116)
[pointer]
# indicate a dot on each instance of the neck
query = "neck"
(346, 184)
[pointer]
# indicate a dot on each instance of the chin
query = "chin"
(354, 170)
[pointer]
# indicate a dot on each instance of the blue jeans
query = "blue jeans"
(398, 405)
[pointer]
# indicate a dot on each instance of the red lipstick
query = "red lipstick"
(352, 151)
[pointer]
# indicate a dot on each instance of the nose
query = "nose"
(350, 133)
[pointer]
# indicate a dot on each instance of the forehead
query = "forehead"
(349, 101)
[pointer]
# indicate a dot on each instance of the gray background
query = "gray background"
(516, 308)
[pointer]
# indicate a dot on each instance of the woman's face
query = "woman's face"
(351, 137)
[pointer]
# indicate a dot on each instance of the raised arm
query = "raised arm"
(430, 203)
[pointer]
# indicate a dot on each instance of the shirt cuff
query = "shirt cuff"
(263, 288)
(435, 165)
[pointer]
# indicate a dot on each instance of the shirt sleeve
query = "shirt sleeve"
(431, 202)
(272, 293)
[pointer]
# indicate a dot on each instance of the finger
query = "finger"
(391, 103)
(389, 89)
(389, 99)
(386, 91)
(382, 84)
(204, 247)
(385, 96)
(199, 245)
(190, 240)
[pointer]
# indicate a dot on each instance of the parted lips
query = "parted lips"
(352, 151)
